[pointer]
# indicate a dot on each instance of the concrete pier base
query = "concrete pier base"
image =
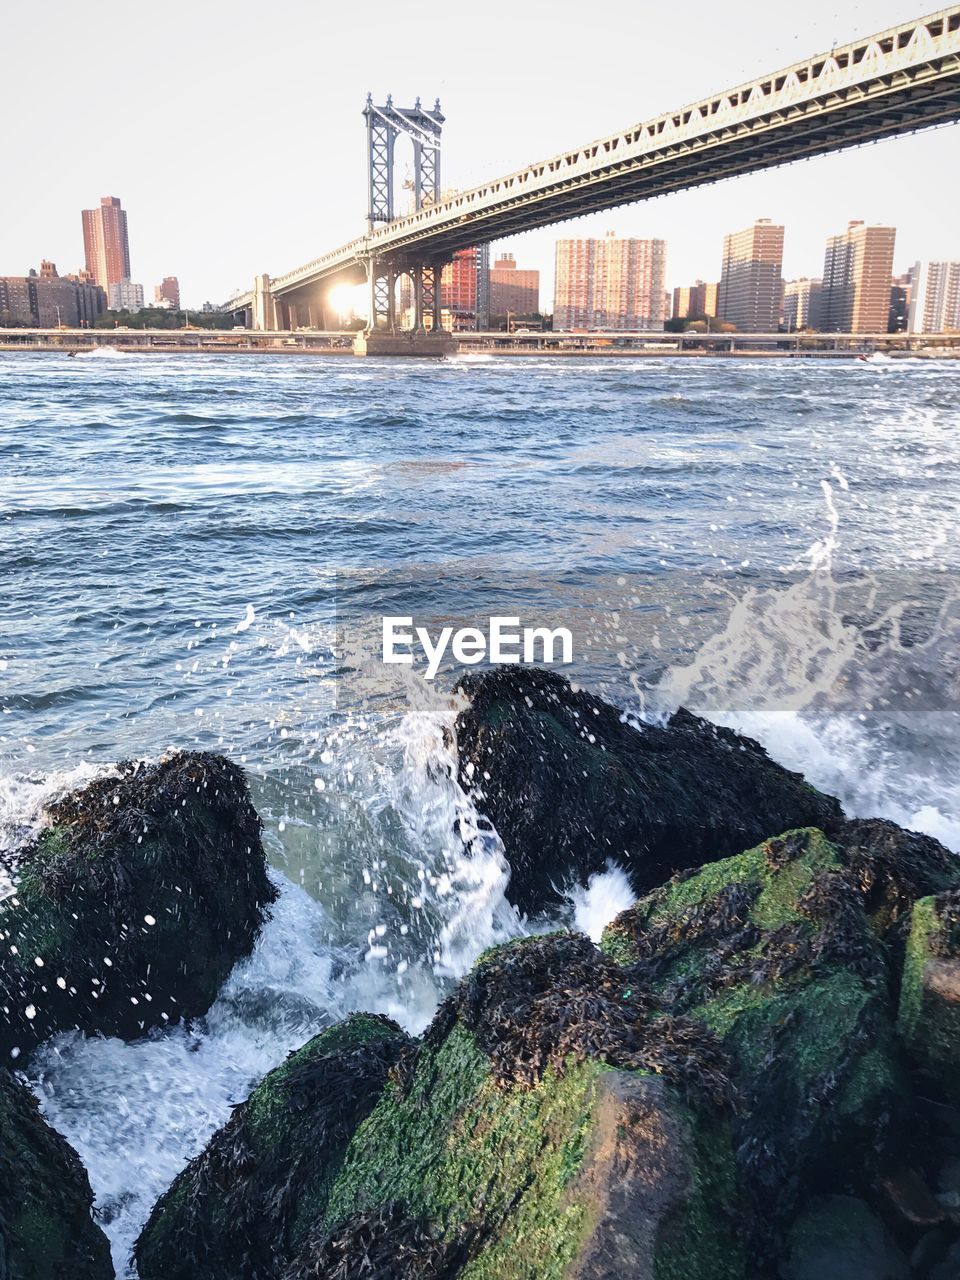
(379, 343)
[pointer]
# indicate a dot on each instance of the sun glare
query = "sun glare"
(347, 300)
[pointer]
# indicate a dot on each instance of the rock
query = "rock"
(569, 786)
(949, 1268)
(772, 950)
(895, 867)
(913, 1199)
(46, 1228)
(548, 1125)
(929, 1018)
(838, 1237)
(552, 1126)
(241, 1209)
(133, 904)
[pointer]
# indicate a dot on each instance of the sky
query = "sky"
(232, 131)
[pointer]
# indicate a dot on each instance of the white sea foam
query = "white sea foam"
(23, 799)
(604, 896)
(106, 352)
(848, 680)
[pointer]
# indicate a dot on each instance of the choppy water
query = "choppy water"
(188, 544)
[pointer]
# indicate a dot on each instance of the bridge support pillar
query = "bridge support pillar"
(264, 304)
(381, 342)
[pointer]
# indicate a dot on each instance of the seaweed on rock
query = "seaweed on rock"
(569, 784)
(133, 903)
(244, 1207)
(555, 999)
(773, 951)
(380, 1244)
(47, 1231)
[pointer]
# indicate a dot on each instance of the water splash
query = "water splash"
(852, 679)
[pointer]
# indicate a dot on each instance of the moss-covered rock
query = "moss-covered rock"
(133, 903)
(551, 1128)
(929, 1016)
(244, 1207)
(773, 951)
(569, 785)
(549, 1125)
(46, 1228)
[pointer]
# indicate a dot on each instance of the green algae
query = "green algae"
(459, 1150)
(700, 1240)
(924, 927)
(929, 1011)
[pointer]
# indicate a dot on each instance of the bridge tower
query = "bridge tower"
(385, 125)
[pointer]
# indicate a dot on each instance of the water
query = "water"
(190, 548)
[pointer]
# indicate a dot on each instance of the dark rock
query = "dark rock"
(949, 1268)
(838, 1238)
(243, 1209)
(46, 1228)
(913, 1199)
(569, 786)
(895, 867)
(133, 904)
(930, 1249)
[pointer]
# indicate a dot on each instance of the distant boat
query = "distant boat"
(875, 357)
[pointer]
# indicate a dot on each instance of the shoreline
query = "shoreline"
(466, 349)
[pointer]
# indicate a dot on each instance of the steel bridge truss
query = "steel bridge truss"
(384, 125)
(424, 277)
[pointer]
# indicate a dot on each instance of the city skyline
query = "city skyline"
(273, 226)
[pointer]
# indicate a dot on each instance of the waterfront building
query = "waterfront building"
(125, 296)
(167, 293)
(46, 300)
(750, 295)
(513, 291)
(610, 284)
(935, 304)
(857, 271)
(105, 242)
(465, 288)
(695, 302)
(802, 304)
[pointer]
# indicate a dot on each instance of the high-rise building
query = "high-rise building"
(48, 300)
(167, 293)
(857, 271)
(465, 288)
(695, 302)
(935, 303)
(802, 304)
(105, 242)
(750, 295)
(512, 291)
(901, 295)
(125, 296)
(610, 284)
